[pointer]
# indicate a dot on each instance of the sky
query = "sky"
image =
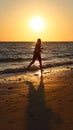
(16, 15)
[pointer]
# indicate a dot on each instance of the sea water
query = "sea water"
(15, 56)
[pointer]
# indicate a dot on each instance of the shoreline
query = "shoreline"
(32, 101)
(22, 76)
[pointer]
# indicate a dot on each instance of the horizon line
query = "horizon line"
(35, 40)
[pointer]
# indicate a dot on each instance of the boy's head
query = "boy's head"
(38, 40)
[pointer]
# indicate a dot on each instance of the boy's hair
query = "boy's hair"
(38, 40)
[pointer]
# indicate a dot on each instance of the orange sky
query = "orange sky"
(16, 16)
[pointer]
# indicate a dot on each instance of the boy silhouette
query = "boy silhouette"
(37, 54)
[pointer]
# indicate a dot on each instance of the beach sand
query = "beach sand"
(33, 102)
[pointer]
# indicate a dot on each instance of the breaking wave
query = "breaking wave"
(34, 68)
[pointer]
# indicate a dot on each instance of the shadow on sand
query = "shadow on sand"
(39, 116)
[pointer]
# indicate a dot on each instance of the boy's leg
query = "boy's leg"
(40, 61)
(33, 60)
(41, 66)
(31, 63)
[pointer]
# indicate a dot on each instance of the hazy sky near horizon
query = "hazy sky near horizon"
(15, 16)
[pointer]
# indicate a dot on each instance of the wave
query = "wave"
(14, 59)
(34, 68)
(49, 65)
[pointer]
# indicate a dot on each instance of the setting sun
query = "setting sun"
(37, 24)
(26, 20)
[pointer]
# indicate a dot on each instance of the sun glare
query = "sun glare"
(37, 24)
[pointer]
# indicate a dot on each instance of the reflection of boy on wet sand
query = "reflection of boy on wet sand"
(37, 54)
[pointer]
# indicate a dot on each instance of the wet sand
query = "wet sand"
(34, 102)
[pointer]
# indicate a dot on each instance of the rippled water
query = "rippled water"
(15, 56)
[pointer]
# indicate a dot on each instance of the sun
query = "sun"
(37, 24)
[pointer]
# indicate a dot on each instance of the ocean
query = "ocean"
(15, 56)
